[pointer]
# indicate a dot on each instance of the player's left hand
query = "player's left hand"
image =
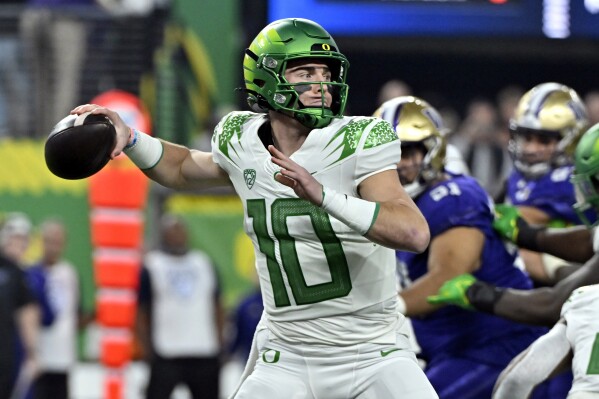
(453, 292)
(298, 178)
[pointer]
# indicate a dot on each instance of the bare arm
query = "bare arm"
(543, 305)
(399, 224)
(536, 265)
(574, 244)
(179, 167)
(452, 253)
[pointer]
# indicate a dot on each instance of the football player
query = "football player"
(548, 122)
(541, 306)
(578, 243)
(571, 343)
(464, 351)
(324, 209)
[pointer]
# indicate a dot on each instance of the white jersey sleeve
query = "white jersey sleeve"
(312, 266)
(581, 312)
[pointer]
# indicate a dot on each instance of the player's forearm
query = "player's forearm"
(399, 226)
(540, 306)
(182, 168)
(572, 244)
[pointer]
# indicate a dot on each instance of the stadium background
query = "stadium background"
(456, 50)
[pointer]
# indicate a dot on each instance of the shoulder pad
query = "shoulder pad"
(228, 128)
(381, 133)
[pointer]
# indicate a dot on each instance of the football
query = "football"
(79, 146)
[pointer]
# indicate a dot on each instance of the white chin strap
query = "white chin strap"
(532, 171)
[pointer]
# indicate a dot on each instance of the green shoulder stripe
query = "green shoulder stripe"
(350, 134)
(231, 127)
(381, 133)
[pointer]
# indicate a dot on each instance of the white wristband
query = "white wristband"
(357, 213)
(145, 151)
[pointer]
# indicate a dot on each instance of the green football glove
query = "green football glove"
(507, 221)
(453, 292)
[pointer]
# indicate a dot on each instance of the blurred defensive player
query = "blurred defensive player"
(548, 122)
(464, 351)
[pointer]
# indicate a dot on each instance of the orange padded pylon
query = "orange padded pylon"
(117, 269)
(115, 349)
(115, 309)
(113, 386)
(119, 185)
(117, 229)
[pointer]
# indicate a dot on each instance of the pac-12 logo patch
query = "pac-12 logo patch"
(250, 177)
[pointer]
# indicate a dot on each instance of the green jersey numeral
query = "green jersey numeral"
(594, 360)
(281, 209)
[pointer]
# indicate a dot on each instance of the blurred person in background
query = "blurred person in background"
(13, 77)
(54, 37)
(245, 320)
(180, 316)
(591, 100)
(391, 89)
(58, 279)
(507, 101)
(464, 351)
(19, 311)
(479, 140)
(547, 125)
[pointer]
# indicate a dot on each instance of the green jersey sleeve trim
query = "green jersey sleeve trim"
(374, 216)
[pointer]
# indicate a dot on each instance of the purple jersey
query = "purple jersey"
(552, 193)
(461, 202)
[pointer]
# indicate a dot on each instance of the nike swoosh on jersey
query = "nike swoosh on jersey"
(385, 353)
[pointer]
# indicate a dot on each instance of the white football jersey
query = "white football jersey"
(321, 281)
(581, 312)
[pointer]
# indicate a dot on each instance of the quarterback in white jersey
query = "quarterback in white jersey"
(315, 291)
(324, 208)
(573, 340)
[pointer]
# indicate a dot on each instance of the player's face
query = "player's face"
(311, 95)
(54, 242)
(16, 246)
(536, 148)
(409, 167)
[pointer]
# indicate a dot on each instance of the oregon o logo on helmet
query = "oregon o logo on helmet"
(325, 46)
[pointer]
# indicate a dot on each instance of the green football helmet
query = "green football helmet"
(586, 174)
(267, 58)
